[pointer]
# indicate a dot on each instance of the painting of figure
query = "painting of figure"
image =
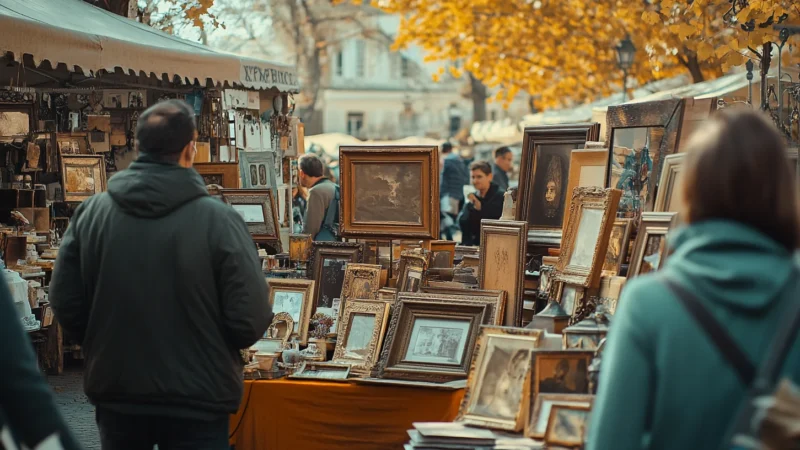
(562, 373)
(499, 391)
(253, 175)
(262, 175)
(615, 245)
(549, 193)
(387, 192)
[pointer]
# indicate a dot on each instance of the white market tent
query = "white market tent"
(85, 40)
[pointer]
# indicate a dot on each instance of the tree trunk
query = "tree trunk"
(123, 8)
(478, 93)
(694, 69)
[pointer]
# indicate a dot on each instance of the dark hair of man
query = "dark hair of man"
(502, 151)
(164, 130)
(483, 166)
(310, 165)
(447, 148)
(737, 168)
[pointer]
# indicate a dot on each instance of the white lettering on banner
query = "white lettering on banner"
(269, 76)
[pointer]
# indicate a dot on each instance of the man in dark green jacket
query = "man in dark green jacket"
(485, 203)
(163, 286)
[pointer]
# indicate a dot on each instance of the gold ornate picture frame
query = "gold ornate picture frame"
(502, 263)
(411, 272)
(82, 176)
(295, 298)
(496, 299)
(587, 168)
(387, 191)
(282, 327)
(541, 405)
(361, 282)
(669, 197)
(585, 242)
(361, 332)
(259, 212)
(431, 339)
(650, 248)
(502, 356)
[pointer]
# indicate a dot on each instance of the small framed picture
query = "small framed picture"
(560, 372)
(322, 371)
(539, 415)
(566, 425)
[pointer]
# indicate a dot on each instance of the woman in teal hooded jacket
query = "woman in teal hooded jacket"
(664, 384)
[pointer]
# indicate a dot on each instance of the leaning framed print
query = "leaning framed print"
(587, 168)
(560, 372)
(412, 268)
(327, 267)
(567, 425)
(583, 250)
(502, 263)
(544, 174)
(669, 196)
(221, 174)
(496, 300)
(257, 170)
(361, 334)
(387, 191)
(617, 250)
(361, 282)
(502, 358)
(294, 298)
(82, 176)
(312, 370)
(259, 211)
(442, 254)
(431, 340)
(640, 136)
(650, 247)
(539, 413)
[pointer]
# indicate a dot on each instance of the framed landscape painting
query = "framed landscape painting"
(387, 191)
(82, 176)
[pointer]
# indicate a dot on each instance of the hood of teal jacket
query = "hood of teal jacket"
(154, 189)
(730, 263)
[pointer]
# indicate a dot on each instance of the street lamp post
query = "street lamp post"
(625, 53)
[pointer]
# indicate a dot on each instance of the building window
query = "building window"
(361, 48)
(405, 67)
(339, 63)
(355, 121)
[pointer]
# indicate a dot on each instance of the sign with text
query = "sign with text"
(265, 76)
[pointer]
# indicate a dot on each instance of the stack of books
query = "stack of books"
(457, 436)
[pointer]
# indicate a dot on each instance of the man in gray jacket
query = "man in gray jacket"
(322, 211)
(162, 285)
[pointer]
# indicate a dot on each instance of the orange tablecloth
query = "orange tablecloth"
(309, 415)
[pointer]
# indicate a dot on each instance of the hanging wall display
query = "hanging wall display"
(82, 176)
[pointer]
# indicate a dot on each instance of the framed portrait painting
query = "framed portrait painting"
(544, 176)
(294, 298)
(640, 136)
(387, 191)
(650, 247)
(361, 333)
(221, 174)
(583, 250)
(82, 176)
(361, 282)
(502, 359)
(561, 372)
(259, 211)
(431, 340)
(502, 263)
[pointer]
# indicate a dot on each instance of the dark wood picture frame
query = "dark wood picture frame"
(572, 135)
(266, 199)
(320, 251)
(228, 172)
(427, 157)
(666, 114)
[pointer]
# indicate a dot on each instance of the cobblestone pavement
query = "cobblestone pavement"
(77, 410)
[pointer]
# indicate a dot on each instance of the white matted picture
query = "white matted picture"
(289, 302)
(359, 336)
(586, 240)
(293, 297)
(437, 341)
(250, 213)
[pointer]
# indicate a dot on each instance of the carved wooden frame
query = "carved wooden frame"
(412, 260)
(398, 338)
(228, 171)
(495, 298)
(364, 307)
(321, 250)
(95, 162)
(370, 272)
(427, 156)
(605, 200)
(278, 318)
(325, 366)
(551, 420)
(623, 251)
(577, 134)
(536, 410)
(514, 302)
(475, 379)
(653, 224)
(666, 114)
(266, 199)
(580, 158)
(305, 287)
(670, 173)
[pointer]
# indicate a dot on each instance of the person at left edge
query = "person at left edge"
(486, 203)
(162, 285)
